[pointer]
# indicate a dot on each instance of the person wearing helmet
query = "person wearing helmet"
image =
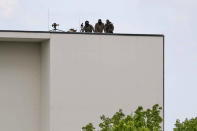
(99, 27)
(109, 27)
(87, 27)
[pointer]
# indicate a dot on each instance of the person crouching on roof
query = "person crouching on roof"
(87, 27)
(109, 27)
(99, 27)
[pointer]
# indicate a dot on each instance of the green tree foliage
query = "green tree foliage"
(187, 125)
(88, 127)
(142, 120)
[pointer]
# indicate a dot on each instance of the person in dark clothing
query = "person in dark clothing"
(88, 27)
(99, 27)
(109, 27)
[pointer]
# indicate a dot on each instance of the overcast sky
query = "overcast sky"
(176, 19)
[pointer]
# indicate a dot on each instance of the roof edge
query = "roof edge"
(119, 34)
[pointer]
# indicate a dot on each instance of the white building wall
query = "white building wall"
(19, 86)
(98, 74)
(45, 86)
(58, 82)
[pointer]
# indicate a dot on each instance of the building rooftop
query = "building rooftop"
(120, 34)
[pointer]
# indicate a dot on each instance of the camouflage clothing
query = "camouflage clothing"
(88, 28)
(99, 27)
(109, 27)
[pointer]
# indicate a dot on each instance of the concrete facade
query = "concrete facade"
(62, 81)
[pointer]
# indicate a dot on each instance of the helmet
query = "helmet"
(86, 22)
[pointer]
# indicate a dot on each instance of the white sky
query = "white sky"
(176, 19)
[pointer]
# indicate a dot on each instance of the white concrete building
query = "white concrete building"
(62, 81)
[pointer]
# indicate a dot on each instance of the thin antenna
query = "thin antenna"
(48, 18)
(79, 24)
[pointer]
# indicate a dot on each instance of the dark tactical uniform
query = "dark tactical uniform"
(99, 27)
(109, 27)
(88, 27)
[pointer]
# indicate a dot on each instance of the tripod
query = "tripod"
(54, 25)
(81, 30)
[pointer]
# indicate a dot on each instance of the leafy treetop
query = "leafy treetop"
(142, 120)
(187, 125)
